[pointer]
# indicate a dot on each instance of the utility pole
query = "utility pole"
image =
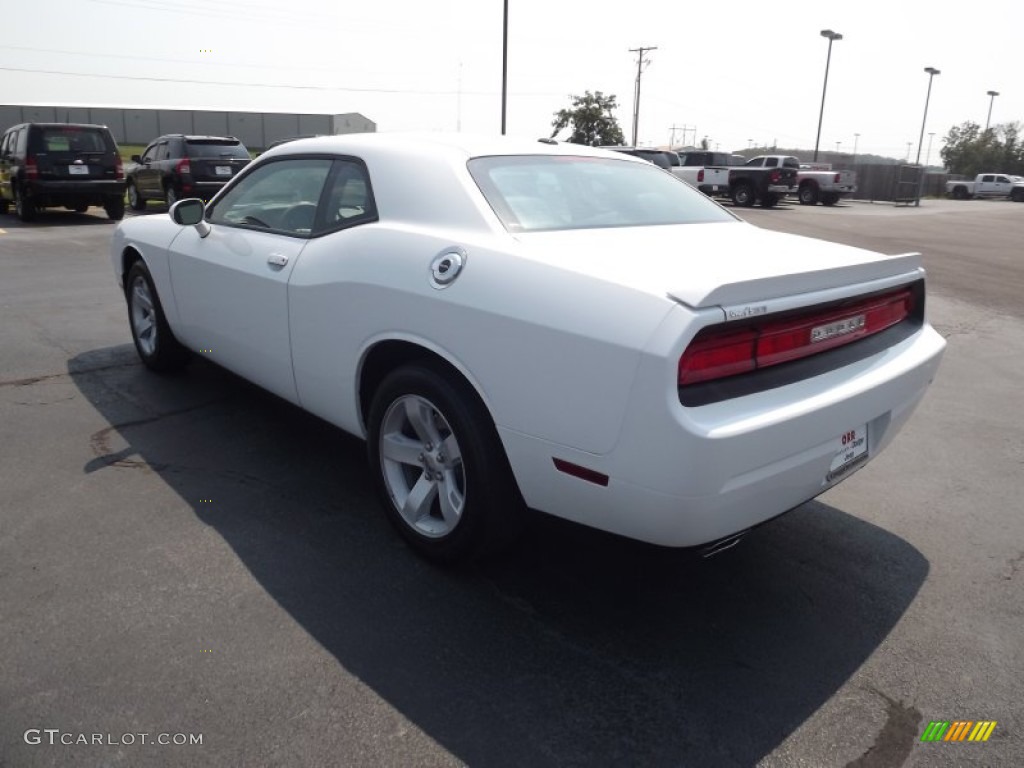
(504, 67)
(641, 62)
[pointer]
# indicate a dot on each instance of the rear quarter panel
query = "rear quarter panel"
(552, 353)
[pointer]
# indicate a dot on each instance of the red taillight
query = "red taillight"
(836, 179)
(31, 169)
(718, 355)
(721, 351)
(700, 175)
(776, 175)
(118, 167)
(183, 166)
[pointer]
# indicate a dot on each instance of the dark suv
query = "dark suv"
(73, 165)
(177, 166)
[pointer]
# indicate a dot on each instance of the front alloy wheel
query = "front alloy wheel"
(156, 345)
(135, 200)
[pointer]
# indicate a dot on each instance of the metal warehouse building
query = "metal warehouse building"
(257, 130)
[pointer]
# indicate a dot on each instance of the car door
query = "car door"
(985, 185)
(231, 286)
(6, 142)
(144, 173)
(1001, 186)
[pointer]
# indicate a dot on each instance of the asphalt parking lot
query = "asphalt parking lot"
(189, 555)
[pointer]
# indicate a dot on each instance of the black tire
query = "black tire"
(158, 350)
(80, 208)
(24, 208)
(114, 206)
(3, 207)
(135, 200)
(1017, 196)
(808, 194)
(170, 195)
(829, 199)
(742, 195)
(769, 200)
(480, 481)
(959, 193)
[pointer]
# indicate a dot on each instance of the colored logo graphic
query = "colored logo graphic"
(958, 730)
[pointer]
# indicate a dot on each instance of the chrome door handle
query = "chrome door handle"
(277, 259)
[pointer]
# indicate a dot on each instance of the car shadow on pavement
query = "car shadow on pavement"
(51, 218)
(575, 648)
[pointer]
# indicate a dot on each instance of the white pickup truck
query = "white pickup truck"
(707, 171)
(815, 182)
(988, 185)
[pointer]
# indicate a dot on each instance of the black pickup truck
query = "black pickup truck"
(764, 184)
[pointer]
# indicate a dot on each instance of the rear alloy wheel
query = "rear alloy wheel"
(743, 195)
(24, 208)
(1017, 196)
(135, 200)
(156, 345)
(114, 206)
(439, 466)
(808, 194)
(959, 193)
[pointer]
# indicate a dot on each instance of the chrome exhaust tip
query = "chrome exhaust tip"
(717, 547)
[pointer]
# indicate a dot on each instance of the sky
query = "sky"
(740, 73)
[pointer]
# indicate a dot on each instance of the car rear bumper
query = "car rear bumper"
(46, 192)
(689, 476)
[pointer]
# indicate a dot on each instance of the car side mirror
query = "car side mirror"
(136, 158)
(189, 213)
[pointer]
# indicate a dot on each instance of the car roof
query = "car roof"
(457, 145)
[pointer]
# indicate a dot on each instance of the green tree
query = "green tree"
(969, 150)
(591, 120)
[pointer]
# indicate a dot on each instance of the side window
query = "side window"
(1002, 180)
(349, 200)
(771, 162)
(21, 142)
(161, 151)
(150, 154)
(987, 178)
(4, 143)
(280, 196)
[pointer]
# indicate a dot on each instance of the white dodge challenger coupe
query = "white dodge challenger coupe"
(512, 323)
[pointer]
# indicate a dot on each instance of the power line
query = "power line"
(286, 86)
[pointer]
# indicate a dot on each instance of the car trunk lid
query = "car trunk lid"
(715, 264)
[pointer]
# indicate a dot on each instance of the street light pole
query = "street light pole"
(505, 62)
(932, 72)
(856, 138)
(992, 98)
(640, 62)
(832, 36)
(927, 157)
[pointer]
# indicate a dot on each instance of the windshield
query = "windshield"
(543, 192)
